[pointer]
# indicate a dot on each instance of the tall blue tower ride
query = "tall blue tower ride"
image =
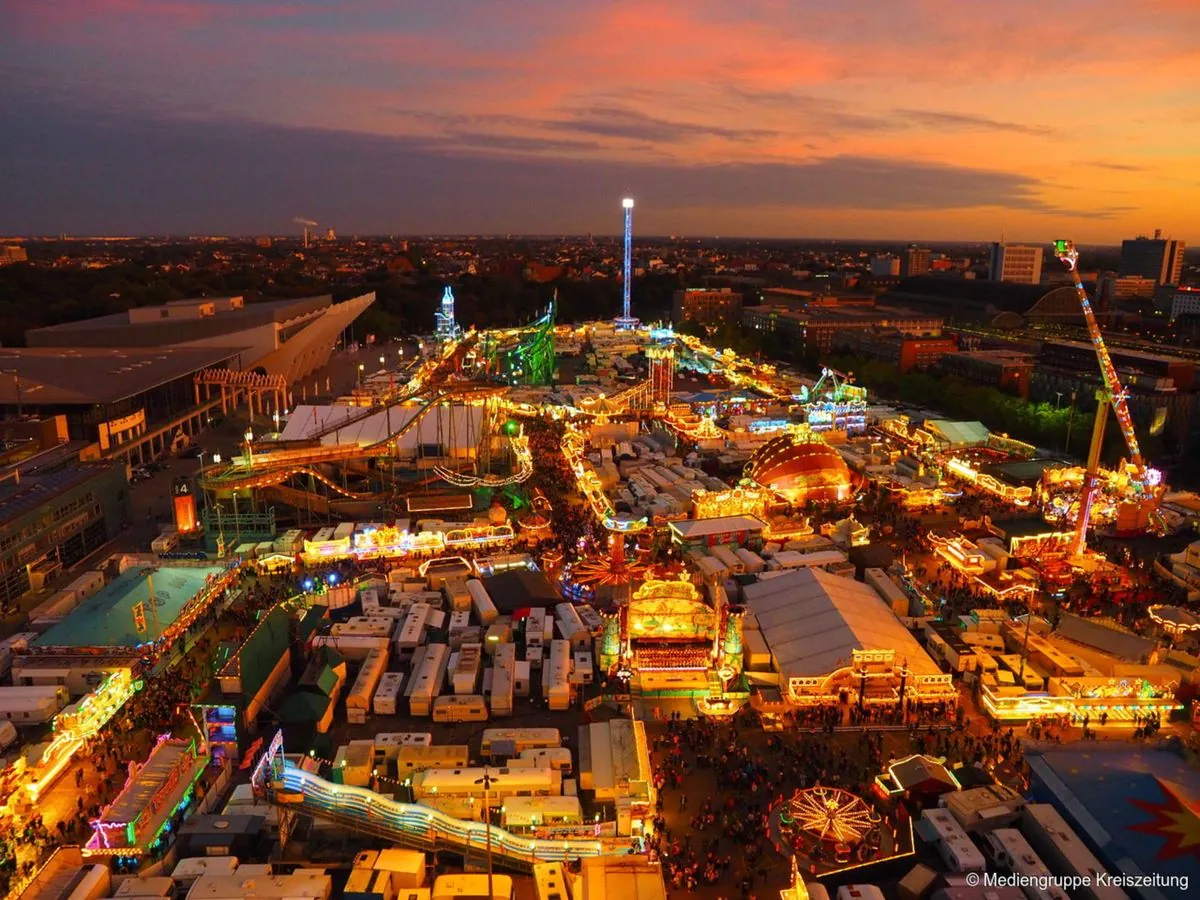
(626, 319)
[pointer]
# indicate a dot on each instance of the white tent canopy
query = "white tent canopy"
(812, 621)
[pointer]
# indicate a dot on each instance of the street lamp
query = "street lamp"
(487, 781)
(382, 360)
(249, 449)
(203, 490)
(360, 374)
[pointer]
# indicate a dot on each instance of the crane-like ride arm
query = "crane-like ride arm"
(1116, 394)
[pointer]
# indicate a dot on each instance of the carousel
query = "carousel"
(824, 829)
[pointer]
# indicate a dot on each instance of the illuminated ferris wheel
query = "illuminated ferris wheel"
(830, 814)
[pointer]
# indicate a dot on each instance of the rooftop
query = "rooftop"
(139, 327)
(85, 376)
(17, 498)
(106, 618)
(813, 621)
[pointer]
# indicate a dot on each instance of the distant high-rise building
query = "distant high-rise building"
(707, 307)
(885, 266)
(1015, 262)
(12, 254)
(1157, 257)
(915, 261)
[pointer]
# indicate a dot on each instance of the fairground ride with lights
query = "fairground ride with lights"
(1143, 488)
(520, 356)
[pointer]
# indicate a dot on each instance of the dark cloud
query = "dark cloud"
(822, 113)
(1116, 167)
(959, 122)
(621, 122)
(66, 171)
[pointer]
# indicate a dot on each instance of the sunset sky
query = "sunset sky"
(927, 120)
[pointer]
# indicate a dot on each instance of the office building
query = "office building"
(50, 520)
(1111, 289)
(706, 307)
(915, 261)
(907, 352)
(1185, 302)
(885, 266)
(823, 328)
(1008, 370)
(1015, 262)
(1158, 258)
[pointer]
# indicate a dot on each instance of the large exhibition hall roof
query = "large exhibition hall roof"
(812, 621)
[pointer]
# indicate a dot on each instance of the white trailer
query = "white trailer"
(556, 684)
(465, 677)
(427, 680)
(481, 602)
(535, 628)
(457, 597)
(28, 709)
(503, 682)
(751, 561)
(387, 694)
(353, 647)
(358, 700)
(571, 627)
(590, 618)
(412, 632)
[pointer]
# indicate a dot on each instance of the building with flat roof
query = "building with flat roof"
(1015, 262)
(906, 352)
(261, 332)
(706, 306)
(833, 639)
(136, 608)
(1004, 369)
(1157, 258)
(915, 260)
(132, 382)
(110, 396)
(53, 519)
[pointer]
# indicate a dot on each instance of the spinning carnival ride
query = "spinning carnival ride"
(1143, 485)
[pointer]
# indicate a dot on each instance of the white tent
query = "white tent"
(812, 621)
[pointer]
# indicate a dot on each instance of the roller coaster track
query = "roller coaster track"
(422, 827)
(273, 467)
(573, 446)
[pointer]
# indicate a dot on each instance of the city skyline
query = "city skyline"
(768, 120)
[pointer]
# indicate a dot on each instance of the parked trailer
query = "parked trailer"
(354, 647)
(590, 618)
(28, 709)
(458, 598)
(412, 632)
(1051, 836)
(387, 694)
(503, 681)
(358, 700)
(953, 844)
(481, 602)
(520, 738)
(730, 560)
(427, 680)
(412, 758)
(465, 677)
(1010, 851)
(555, 757)
(460, 708)
(535, 627)
(571, 627)
(751, 561)
(389, 743)
(556, 677)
